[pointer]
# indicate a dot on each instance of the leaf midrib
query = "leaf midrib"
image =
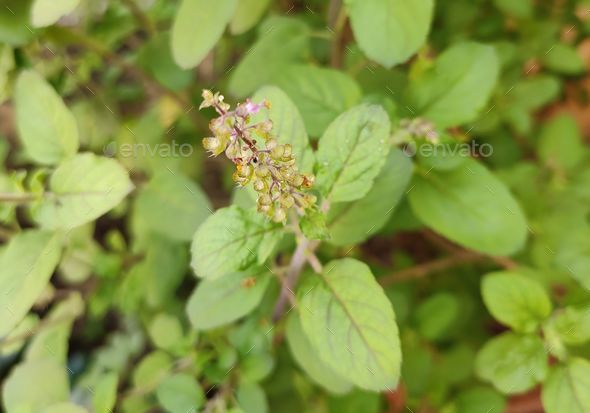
(241, 238)
(349, 155)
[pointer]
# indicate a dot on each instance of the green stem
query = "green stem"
(19, 198)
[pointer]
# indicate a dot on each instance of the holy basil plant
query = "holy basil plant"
(252, 206)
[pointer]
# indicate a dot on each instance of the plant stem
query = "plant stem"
(305, 251)
(5, 234)
(141, 17)
(18, 198)
(336, 22)
(422, 270)
(293, 273)
(314, 262)
(457, 258)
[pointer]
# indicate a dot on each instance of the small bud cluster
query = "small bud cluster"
(271, 168)
(417, 128)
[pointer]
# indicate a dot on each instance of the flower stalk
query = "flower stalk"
(270, 167)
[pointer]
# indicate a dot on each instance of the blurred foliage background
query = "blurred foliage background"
(103, 325)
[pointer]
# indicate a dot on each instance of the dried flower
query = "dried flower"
(271, 167)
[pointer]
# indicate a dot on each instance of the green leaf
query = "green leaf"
(220, 301)
(515, 300)
(356, 401)
(390, 31)
(7, 64)
(351, 325)
(165, 331)
(180, 393)
(563, 58)
(80, 253)
(572, 325)
(447, 154)
(105, 393)
(18, 335)
(458, 86)
(47, 128)
(287, 123)
(566, 388)
(173, 205)
(82, 189)
(353, 222)
(436, 315)
(158, 275)
(53, 340)
(308, 360)
(470, 206)
(64, 407)
(480, 400)
(26, 265)
(155, 57)
(281, 42)
(251, 398)
(534, 92)
(14, 22)
(521, 9)
(247, 14)
(560, 143)
(152, 369)
(47, 12)
(198, 25)
(352, 152)
(46, 376)
(228, 241)
(9, 184)
(320, 94)
(313, 225)
(512, 363)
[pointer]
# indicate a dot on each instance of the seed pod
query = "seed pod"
(211, 144)
(287, 201)
(308, 181)
(277, 152)
(279, 215)
(264, 199)
(233, 151)
(262, 171)
(244, 170)
(288, 152)
(297, 181)
(310, 200)
(259, 185)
